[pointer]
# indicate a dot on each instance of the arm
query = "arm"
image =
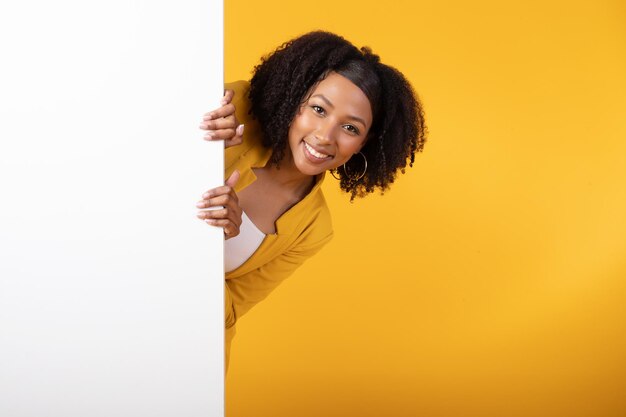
(245, 291)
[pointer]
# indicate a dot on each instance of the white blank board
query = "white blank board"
(111, 290)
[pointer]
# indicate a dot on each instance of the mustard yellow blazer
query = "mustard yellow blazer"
(300, 232)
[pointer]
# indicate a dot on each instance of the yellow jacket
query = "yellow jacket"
(300, 232)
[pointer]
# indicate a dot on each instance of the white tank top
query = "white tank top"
(238, 249)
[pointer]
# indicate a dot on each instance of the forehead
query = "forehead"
(344, 95)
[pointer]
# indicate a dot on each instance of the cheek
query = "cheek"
(351, 147)
(303, 122)
(294, 128)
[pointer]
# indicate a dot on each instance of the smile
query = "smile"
(314, 153)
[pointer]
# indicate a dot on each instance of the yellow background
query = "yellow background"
(491, 279)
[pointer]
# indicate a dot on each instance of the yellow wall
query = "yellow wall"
(491, 280)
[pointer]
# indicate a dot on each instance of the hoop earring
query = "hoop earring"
(352, 178)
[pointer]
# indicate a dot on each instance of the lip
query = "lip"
(312, 158)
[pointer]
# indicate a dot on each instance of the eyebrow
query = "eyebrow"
(355, 118)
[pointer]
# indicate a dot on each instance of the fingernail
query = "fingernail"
(203, 126)
(200, 204)
(200, 215)
(206, 195)
(239, 130)
(210, 134)
(211, 222)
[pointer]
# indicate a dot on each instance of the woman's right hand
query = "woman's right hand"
(222, 124)
(229, 215)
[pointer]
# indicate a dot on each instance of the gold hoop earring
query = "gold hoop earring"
(351, 177)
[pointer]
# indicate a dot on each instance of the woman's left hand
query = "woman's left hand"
(229, 215)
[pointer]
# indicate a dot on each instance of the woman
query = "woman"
(316, 104)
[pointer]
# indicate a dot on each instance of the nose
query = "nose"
(325, 132)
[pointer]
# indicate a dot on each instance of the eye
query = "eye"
(351, 129)
(317, 109)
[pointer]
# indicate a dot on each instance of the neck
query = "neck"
(287, 175)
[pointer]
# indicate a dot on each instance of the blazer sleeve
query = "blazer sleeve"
(245, 291)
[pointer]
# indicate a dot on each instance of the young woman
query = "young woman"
(316, 104)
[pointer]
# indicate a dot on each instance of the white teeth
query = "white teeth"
(314, 152)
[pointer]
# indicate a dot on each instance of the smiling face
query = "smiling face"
(330, 126)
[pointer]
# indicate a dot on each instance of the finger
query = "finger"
(223, 111)
(227, 188)
(228, 96)
(222, 134)
(221, 207)
(233, 215)
(226, 200)
(237, 139)
(222, 213)
(224, 123)
(230, 229)
(214, 192)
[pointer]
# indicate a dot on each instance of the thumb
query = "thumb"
(232, 180)
(239, 131)
(238, 138)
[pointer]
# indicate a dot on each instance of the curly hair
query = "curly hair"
(280, 84)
